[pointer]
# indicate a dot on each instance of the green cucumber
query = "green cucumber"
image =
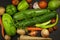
(8, 24)
(27, 14)
(36, 20)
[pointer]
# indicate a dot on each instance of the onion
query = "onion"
(45, 33)
(35, 5)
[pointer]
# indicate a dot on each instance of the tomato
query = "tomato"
(29, 1)
(15, 2)
(42, 4)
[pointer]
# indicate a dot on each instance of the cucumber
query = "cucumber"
(27, 14)
(8, 24)
(36, 20)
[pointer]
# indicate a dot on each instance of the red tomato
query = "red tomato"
(42, 4)
(15, 2)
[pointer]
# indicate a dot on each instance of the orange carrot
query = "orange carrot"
(2, 28)
(33, 29)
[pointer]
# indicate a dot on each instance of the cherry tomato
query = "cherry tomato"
(42, 4)
(15, 2)
(29, 1)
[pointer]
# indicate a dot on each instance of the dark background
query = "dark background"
(54, 35)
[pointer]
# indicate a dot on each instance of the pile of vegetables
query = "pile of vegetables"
(22, 16)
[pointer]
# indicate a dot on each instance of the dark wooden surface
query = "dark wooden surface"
(54, 35)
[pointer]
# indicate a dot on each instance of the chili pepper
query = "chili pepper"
(51, 25)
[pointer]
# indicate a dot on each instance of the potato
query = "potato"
(2, 10)
(20, 31)
(45, 33)
(7, 37)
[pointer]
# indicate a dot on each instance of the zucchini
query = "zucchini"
(27, 14)
(36, 20)
(8, 24)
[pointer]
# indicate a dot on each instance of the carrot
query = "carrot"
(2, 28)
(33, 29)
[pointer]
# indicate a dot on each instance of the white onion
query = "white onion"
(35, 5)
